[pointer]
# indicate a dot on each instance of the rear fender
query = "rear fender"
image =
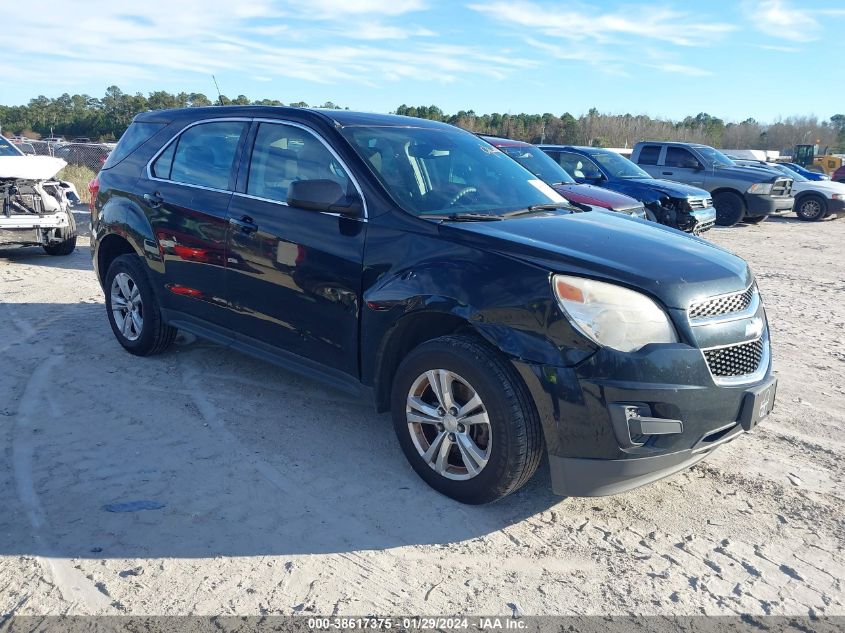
(123, 217)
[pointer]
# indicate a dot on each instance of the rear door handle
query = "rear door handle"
(246, 224)
(668, 173)
(153, 199)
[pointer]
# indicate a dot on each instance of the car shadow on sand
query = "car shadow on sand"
(203, 452)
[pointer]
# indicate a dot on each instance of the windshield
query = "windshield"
(539, 163)
(617, 165)
(7, 148)
(714, 156)
(440, 171)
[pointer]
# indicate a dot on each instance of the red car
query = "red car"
(546, 169)
(839, 175)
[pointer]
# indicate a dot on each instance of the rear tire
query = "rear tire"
(730, 208)
(133, 309)
(68, 235)
(811, 208)
(505, 438)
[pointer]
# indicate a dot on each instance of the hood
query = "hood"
(824, 186)
(30, 167)
(672, 266)
(749, 174)
(650, 189)
(596, 196)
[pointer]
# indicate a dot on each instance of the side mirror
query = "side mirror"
(323, 195)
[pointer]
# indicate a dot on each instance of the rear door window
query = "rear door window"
(203, 155)
(649, 155)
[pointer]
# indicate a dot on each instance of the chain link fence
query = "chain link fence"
(90, 155)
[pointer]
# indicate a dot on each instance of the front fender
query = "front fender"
(506, 301)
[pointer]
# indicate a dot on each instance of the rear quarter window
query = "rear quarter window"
(134, 136)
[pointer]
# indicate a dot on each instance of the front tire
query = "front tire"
(133, 309)
(730, 208)
(68, 235)
(811, 208)
(464, 420)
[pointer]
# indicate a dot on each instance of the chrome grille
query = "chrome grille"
(782, 187)
(736, 360)
(724, 304)
(700, 203)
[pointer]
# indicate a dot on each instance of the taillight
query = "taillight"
(93, 190)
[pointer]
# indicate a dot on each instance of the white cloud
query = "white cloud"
(778, 48)
(577, 24)
(782, 20)
(186, 42)
(334, 8)
(377, 31)
(681, 69)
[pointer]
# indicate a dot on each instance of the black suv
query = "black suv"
(415, 264)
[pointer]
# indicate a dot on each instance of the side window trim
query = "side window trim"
(178, 135)
(248, 159)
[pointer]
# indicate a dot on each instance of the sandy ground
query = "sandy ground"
(269, 494)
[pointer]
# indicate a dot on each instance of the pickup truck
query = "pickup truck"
(740, 193)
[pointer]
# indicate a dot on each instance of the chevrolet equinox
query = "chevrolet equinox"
(415, 264)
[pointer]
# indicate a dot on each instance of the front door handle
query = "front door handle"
(154, 200)
(245, 224)
(668, 173)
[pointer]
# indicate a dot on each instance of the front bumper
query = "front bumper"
(24, 221)
(758, 204)
(592, 454)
(704, 219)
(835, 207)
(30, 230)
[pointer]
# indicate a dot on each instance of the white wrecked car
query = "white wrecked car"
(36, 208)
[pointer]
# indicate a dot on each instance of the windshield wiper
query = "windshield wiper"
(463, 217)
(535, 208)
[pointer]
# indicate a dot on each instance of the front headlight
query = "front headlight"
(611, 315)
(761, 188)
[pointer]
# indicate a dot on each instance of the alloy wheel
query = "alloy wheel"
(449, 425)
(811, 209)
(127, 307)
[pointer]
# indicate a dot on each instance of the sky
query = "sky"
(730, 58)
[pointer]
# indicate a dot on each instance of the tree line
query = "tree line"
(624, 130)
(107, 117)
